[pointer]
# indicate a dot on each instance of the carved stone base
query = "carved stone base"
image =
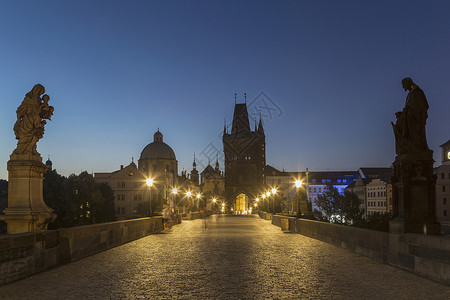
(413, 188)
(26, 210)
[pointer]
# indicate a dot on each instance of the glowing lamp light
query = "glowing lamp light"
(274, 191)
(214, 200)
(263, 196)
(198, 196)
(298, 183)
(149, 181)
(268, 194)
(188, 194)
(174, 191)
(257, 199)
(223, 204)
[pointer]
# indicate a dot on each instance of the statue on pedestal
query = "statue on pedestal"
(27, 211)
(31, 115)
(413, 182)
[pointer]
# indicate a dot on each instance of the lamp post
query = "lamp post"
(214, 201)
(198, 201)
(268, 199)
(263, 196)
(149, 183)
(188, 195)
(298, 184)
(174, 193)
(274, 191)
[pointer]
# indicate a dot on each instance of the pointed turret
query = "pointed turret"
(217, 163)
(260, 126)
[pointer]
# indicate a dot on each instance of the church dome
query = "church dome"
(158, 149)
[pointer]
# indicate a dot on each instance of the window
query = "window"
(445, 212)
(123, 184)
(324, 180)
(442, 175)
(339, 181)
(443, 188)
(118, 211)
(314, 190)
(123, 210)
(444, 201)
(313, 181)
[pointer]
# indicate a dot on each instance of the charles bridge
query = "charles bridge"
(225, 256)
(221, 257)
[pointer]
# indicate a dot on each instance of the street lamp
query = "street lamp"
(174, 193)
(298, 185)
(149, 182)
(274, 191)
(198, 202)
(214, 201)
(188, 195)
(264, 197)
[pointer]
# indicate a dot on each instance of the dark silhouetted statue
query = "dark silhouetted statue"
(413, 183)
(409, 130)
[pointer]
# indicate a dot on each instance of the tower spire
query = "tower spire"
(245, 98)
(224, 126)
(235, 95)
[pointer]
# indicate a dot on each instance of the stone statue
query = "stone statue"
(409, 129)
(31, 115)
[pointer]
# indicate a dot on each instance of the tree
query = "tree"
(103, 209)
(352, 212)
(77, 200)
(337, 208)
(330, 204)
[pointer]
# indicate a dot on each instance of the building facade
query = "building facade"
(443, 185)
(133, 198)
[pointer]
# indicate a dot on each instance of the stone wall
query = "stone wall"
(22, 255)
(425, 255)
(82, 241)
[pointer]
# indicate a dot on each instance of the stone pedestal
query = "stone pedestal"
(413, 188)
(26, 210)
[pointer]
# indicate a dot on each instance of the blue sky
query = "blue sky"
(118, 70)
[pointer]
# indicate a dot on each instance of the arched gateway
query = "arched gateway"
(245, 160)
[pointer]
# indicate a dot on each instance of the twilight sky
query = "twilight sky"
(324, 74)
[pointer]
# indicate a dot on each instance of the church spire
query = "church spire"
(194, 165)
(224, 126)
(217, 162)
(260, 126)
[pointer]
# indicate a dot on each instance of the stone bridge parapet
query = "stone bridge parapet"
(425, 255)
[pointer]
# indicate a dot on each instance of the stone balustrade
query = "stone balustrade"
(22, 255)
(425, 255)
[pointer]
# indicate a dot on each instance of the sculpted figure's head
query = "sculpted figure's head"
(407, 83)
(38, 89)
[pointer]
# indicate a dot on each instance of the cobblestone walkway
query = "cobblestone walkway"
(225, 257)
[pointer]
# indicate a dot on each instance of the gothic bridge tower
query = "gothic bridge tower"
(245, 160)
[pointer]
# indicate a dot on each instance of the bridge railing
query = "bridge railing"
(22, 255)
(425, 255)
